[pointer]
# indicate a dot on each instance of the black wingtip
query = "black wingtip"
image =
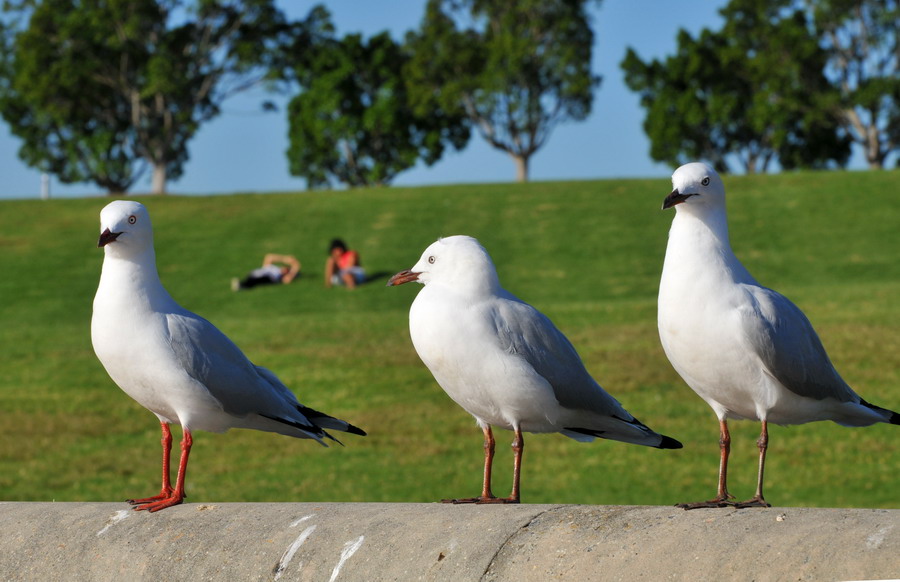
(668, 443)
(315, 431)
(355, 430)
(894, 417)
(315, 415)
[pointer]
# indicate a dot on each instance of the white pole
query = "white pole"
(45, 186)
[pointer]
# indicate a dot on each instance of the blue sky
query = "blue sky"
(243, 149)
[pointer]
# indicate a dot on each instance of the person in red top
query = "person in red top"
(343, 266)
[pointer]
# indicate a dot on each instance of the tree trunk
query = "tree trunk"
(159, 179)
(750, 164)
(865, 135)
(521, 167)
(874, 154)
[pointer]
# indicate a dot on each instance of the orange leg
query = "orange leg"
(723, 498)
(518, 447)
(167, 496)
(166, 490)
(763, 443)
(487, 496)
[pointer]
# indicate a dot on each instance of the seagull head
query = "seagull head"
(125, 225)
(696, 184)
(454, 261)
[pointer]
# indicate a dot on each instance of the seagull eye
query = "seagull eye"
(132, 219)
(705, 181)
(431, 259)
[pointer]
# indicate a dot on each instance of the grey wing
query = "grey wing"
(212, 359)
(525, 331)
(788, 346)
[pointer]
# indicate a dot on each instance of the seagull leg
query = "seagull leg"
(518, 447)
(176, 495)
(763, 444)
(166, 490)
(722, 498)
(488, 463)
(486, 495)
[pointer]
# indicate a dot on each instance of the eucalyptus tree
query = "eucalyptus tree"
(514, 69)
(102, 90)
(754, 91)
(352, 122)
(862, 39)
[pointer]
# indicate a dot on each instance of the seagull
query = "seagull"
(505, 362)
(177, 364)
(743, 348)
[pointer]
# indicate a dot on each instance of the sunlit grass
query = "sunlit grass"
(588, 254)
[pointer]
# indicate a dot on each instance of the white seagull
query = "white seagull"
(746, 350)
(174, 362)
(505, 362)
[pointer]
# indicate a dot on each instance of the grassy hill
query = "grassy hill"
(588, 254)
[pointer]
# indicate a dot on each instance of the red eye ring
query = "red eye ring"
(132, 219)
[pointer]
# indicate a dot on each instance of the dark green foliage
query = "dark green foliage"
(861, 37)
(517, 71)
(100, 90)
(353, 122)
(754, 90)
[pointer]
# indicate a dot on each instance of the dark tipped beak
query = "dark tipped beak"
(403, 277)
(107, 237)
(675, 198)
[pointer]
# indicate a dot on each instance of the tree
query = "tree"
(352, 121)
(754, 91)
(65, 130)
(519, 69)
(863, 44)
(685, 101)
(100, 90)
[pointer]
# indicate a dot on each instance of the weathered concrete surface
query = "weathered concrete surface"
(372, 542)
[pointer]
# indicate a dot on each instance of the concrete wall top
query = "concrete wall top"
(394, 541)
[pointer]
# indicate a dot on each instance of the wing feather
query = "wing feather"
(789, 348)
(212, 359)
(528, 333)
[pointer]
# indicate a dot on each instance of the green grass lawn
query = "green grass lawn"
(588, 254)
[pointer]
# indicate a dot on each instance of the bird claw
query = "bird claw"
(166, 498)
(755, 502)
(165, 493)
(481, 500)
(152, 506)
(712, 503)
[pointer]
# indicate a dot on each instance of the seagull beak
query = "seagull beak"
(107, 237)
(403, 277)
(675, 198)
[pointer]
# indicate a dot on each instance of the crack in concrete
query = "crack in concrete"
(524, 526)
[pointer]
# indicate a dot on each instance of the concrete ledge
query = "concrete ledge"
(382, 541)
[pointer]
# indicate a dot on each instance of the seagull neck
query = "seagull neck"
(469, 293)
(487, 287)
(136, 269)
(698, 243)
(703, 236)
(708, 227)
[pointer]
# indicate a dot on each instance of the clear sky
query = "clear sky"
(244, 149)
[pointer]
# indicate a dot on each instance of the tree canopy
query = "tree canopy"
(755, 91)
(107, 90)
(862, 38)
(514, 69)
(352, 121)
(100, 90)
